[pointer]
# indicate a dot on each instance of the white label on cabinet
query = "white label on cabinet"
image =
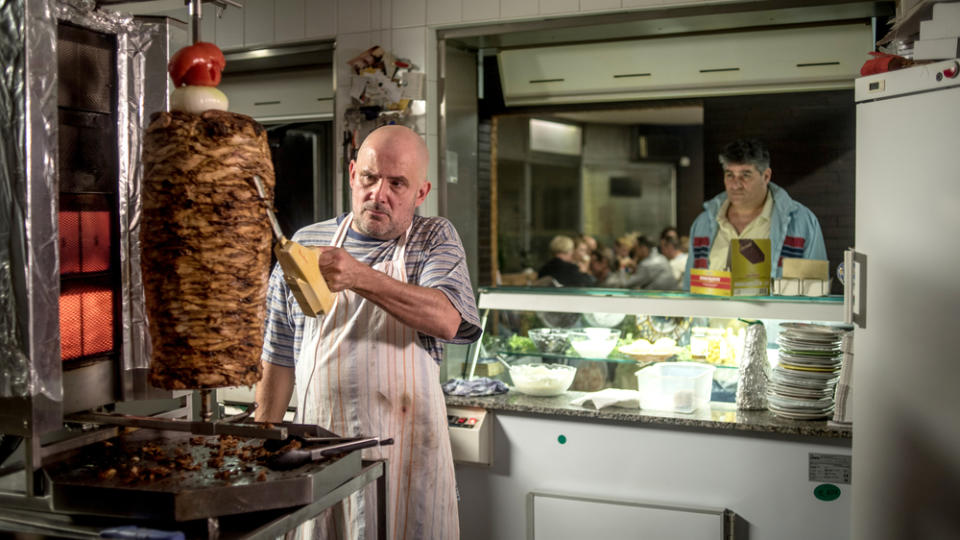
(832, 468)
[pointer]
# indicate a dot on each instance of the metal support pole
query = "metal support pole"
(207, 403)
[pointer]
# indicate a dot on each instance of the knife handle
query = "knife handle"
(334, 449)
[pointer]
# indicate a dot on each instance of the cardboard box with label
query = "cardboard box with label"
(750, 266)
(803, 277)
(711, 282)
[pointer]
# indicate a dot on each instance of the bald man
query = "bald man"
(371, 365)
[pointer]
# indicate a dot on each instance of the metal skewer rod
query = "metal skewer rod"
(196, 11)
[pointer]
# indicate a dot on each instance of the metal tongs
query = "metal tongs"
(291, 459)
(300, 268)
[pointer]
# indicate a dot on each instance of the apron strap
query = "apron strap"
(399, 254)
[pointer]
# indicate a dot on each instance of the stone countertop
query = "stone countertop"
(722, 417)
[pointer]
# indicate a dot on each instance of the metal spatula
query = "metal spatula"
(300, 269)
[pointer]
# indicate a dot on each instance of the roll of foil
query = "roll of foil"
(754, 369)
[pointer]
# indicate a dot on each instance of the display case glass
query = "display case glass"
(608, 335)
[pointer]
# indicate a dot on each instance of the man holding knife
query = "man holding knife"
(370, 366)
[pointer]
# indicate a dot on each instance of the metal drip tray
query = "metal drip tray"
(113, 478)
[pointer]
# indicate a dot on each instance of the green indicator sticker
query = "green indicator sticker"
(562, 439)
(826, 492)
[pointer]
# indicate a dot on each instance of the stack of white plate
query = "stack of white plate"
(802, 385)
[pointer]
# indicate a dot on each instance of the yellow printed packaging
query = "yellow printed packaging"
(750, 266)
(712, 282)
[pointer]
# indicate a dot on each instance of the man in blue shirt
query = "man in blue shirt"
(751, 206)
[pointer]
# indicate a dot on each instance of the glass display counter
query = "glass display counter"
(573, 326)
(753, 462)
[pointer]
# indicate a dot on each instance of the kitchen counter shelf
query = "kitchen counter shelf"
(563, 358)
(721, 417)
(661, 303)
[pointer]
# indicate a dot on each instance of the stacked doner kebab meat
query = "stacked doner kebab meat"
(205, 237)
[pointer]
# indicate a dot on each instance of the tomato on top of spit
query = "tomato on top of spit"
(195, 71)
(199, 64)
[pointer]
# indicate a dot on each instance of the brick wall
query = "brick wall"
(484, 263)
(812, 141)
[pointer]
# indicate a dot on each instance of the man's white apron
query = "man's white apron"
(360, 371)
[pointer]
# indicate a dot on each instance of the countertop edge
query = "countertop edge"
(722, 418)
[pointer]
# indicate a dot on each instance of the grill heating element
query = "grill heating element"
(87, 182)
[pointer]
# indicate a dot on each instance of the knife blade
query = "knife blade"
(300, 268)
(277, 231)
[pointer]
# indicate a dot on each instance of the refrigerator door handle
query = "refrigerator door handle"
(855, 288)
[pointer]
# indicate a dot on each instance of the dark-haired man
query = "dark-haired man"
(752, 207)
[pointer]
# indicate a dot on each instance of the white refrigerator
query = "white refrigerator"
(906, 393)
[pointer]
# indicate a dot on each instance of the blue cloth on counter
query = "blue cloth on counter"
(483, 386)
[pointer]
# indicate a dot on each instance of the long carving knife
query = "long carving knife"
(300, 268)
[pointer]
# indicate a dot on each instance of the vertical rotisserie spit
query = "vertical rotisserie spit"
(205, 241)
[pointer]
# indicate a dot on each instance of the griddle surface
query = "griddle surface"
(193, 477)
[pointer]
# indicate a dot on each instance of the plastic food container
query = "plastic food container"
(542, 379)
(680, 387)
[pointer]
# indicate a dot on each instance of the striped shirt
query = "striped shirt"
(434, 258)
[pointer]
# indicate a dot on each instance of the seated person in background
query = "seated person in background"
(652, 271)
(561, 267)
(670, 248)
(623, 251)
(600, 264)
(684, 244)
(584, 245)
(752, 207)
(586, 242)
(667, 231)
(646, 251)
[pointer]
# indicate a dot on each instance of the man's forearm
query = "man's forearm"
(273, 393)
(422, 308)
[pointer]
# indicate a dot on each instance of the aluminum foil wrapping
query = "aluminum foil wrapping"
(29, 258)
(29, 276)
(133, 42)
(754, 369)
(843, 395)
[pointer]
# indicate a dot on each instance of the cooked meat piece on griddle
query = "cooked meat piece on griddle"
(205, 247)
